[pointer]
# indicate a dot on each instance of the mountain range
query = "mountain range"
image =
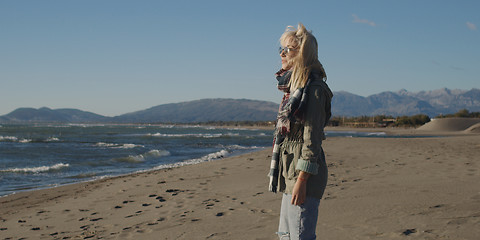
(432, 103)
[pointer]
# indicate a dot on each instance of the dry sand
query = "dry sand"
(379, 188)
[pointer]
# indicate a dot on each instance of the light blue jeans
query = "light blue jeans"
(298, 222)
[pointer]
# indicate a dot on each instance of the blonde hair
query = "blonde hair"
(306, 60)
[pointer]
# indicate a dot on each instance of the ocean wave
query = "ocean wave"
(52, 139)
(55, 167)
(117, 145)
(26, 140)
(85, 125)
(352, 134)
(143, 157)
(212, 156)
(239, 147)
(376, 134)
(14, 139)
(209, 157)
(8, 139)
(197, 135)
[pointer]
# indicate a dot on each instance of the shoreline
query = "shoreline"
(385, 188)
(168, 166)
(400, 132)
(390, 132)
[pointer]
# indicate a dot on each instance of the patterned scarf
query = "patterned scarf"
(290, 109)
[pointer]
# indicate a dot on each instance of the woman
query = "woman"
(298, 167)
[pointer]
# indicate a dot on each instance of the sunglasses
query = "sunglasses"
(286, 50)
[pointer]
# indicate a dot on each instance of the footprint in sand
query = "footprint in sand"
(213, 235)
(409, 231)
(174, 191)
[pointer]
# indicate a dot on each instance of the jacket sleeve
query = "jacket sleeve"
(313, 135)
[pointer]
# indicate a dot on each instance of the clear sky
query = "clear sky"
(114, 57)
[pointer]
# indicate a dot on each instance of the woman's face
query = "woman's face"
(288, 53)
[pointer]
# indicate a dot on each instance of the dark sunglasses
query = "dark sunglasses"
(285, 49)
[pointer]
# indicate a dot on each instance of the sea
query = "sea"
(37, 156)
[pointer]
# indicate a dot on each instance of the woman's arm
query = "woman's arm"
(299, 193)
(312, 146)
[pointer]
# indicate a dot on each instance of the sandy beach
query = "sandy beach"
(379, 188)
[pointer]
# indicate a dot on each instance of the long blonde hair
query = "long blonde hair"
(306, 60)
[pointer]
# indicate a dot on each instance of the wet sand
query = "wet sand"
(379, 188)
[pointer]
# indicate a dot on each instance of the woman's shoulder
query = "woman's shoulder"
(317, 84)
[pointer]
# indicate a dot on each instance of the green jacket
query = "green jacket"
(302, 148)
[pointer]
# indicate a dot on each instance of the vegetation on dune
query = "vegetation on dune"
(462, 113)
(380, 121)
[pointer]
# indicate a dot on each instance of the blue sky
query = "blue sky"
(114, 57)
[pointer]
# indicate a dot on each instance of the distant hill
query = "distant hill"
(205, 110)
(26, 115)
(432, 103)
(185, 112)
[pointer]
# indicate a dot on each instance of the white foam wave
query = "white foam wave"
(8, 138)
(239, 147)
(14, 139)
(142, 157)
(157, 153)
(37, 169)
(179, 135)
(85, 125)
(376, 134)
(209, 157)
(132, 159)
(52, 139)
(197, 135)
(129, 145)
(116, 145)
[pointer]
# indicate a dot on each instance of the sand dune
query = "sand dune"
(450, 124)
(473, 129)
